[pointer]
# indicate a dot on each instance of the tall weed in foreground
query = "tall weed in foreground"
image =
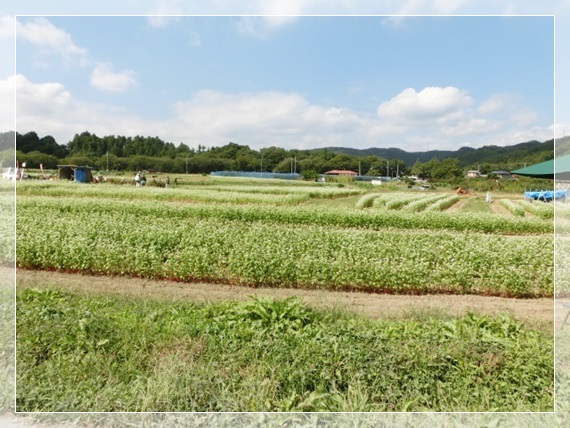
(7, 295)
(7, 341)
(100, 354)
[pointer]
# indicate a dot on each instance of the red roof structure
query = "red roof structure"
(341, 172)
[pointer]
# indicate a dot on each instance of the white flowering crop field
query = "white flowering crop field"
(269, 236)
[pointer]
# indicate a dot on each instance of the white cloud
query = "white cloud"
(103, 77)
(50, 109)
(164, 13)
(561, 129)
(448, 117)
(287, 120)
(49, 39)
(537, 133)
(494, 104)
(252, 26)
(433, 103)
(267, 118)
(160, 21)
(7, 27)
(271, 16)
(7, 47)
(7, 106)
(35, 98)
(445, 7)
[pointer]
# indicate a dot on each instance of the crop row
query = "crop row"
(562, 251)
(324, 191)
(210, 193)
(205, 195)
(189, 248)
(443, 204)
(299, 215)
(423, 203)
(521, 207)
(366, 201)
(513, 207)
(540, 209)
(407, 202)
(7, 223)
(395, 201)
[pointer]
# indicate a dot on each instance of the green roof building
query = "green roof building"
(558, 168)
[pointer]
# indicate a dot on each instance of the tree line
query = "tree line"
(121, 153)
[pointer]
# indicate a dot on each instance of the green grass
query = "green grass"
(78, 353)
(7, 342)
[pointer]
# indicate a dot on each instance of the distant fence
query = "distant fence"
(280, 175)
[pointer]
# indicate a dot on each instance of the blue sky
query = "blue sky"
(417, 83)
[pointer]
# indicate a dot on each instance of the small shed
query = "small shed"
(79, 173)
(473, 173)
(502, 174)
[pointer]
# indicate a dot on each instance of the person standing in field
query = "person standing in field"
(167, 181)
(138, 179)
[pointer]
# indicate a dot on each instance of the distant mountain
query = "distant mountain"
(531, 151)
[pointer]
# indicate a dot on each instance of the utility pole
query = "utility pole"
(291, 165)
(359, 169)
(186, 164)
(295, 164)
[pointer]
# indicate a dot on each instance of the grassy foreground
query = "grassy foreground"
(78, 353)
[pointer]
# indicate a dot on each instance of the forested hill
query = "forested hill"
(7, 140)
(124, 153)
(529, 152)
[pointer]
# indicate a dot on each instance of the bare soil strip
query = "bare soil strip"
(371, 305)
(458, 206)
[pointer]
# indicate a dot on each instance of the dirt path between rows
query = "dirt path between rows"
(458, 206)
(497, 208)
(370, 305)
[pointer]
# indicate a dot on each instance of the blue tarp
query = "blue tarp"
(546, 195)
(281, 175)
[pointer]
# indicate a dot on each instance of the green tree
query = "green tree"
(342, 161)
(446, 169)
(287, 165)
(272, 156)
(373, 172)
(35, 158)
(309, 174)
